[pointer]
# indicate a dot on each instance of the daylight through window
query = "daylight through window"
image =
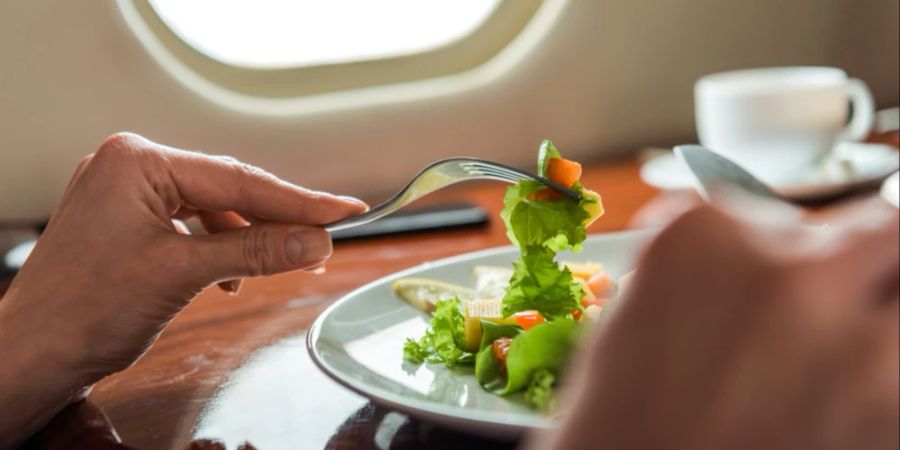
(297, 33)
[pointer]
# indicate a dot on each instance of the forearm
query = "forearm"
(37, 377)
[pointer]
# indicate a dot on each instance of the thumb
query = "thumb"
(259, 249)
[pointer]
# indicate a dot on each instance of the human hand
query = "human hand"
(737, 335)
(111, 269)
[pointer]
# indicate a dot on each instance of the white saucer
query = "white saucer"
(849, 166)
(890, 190)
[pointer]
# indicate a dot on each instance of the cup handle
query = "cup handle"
(863, 112)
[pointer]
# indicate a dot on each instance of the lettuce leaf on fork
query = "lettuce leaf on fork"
(557, 225)
(540, 229)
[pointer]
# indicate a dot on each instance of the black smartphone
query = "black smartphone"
(439, 217)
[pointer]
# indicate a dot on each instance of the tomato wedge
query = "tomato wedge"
(528, 319)
(500, 348)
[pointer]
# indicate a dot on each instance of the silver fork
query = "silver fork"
(441, 174)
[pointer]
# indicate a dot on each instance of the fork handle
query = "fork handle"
(371, 215)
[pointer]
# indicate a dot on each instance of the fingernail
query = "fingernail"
(303, 248)
(355, 200)
(317, 270)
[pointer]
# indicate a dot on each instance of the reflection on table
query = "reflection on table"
(278, 399)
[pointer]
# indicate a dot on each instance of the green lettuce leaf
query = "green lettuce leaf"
(539, 393)
(546, 346)
(539, 283)
(547, 151)
(515, 195)
(541, 228)
(443, 341)
(556, 224)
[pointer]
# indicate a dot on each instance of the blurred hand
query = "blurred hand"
(743, 335)
(111, 269)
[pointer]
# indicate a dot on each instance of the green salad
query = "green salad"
(519, 337)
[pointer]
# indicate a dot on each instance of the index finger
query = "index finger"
(224, 184)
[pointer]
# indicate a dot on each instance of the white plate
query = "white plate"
(851, 165)
(358, 341)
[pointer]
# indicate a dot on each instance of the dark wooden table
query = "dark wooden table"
(235, 369)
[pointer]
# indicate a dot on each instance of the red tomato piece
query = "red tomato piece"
(576, 314)
(500, 347)
(528, 319)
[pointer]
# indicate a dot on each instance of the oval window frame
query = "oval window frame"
(465, 53)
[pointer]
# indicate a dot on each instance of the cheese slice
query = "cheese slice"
(475, 312)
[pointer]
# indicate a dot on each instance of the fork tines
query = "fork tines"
(511, 174)
(482, 169)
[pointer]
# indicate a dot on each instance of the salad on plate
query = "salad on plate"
(518, 325)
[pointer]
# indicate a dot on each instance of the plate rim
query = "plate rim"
(457, 417)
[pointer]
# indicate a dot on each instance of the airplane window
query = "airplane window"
(271, 34)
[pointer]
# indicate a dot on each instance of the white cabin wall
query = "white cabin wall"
(609, 76)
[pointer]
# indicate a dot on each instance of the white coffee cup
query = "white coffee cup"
(779, 122)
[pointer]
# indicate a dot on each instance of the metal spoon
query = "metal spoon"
(714, 171)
